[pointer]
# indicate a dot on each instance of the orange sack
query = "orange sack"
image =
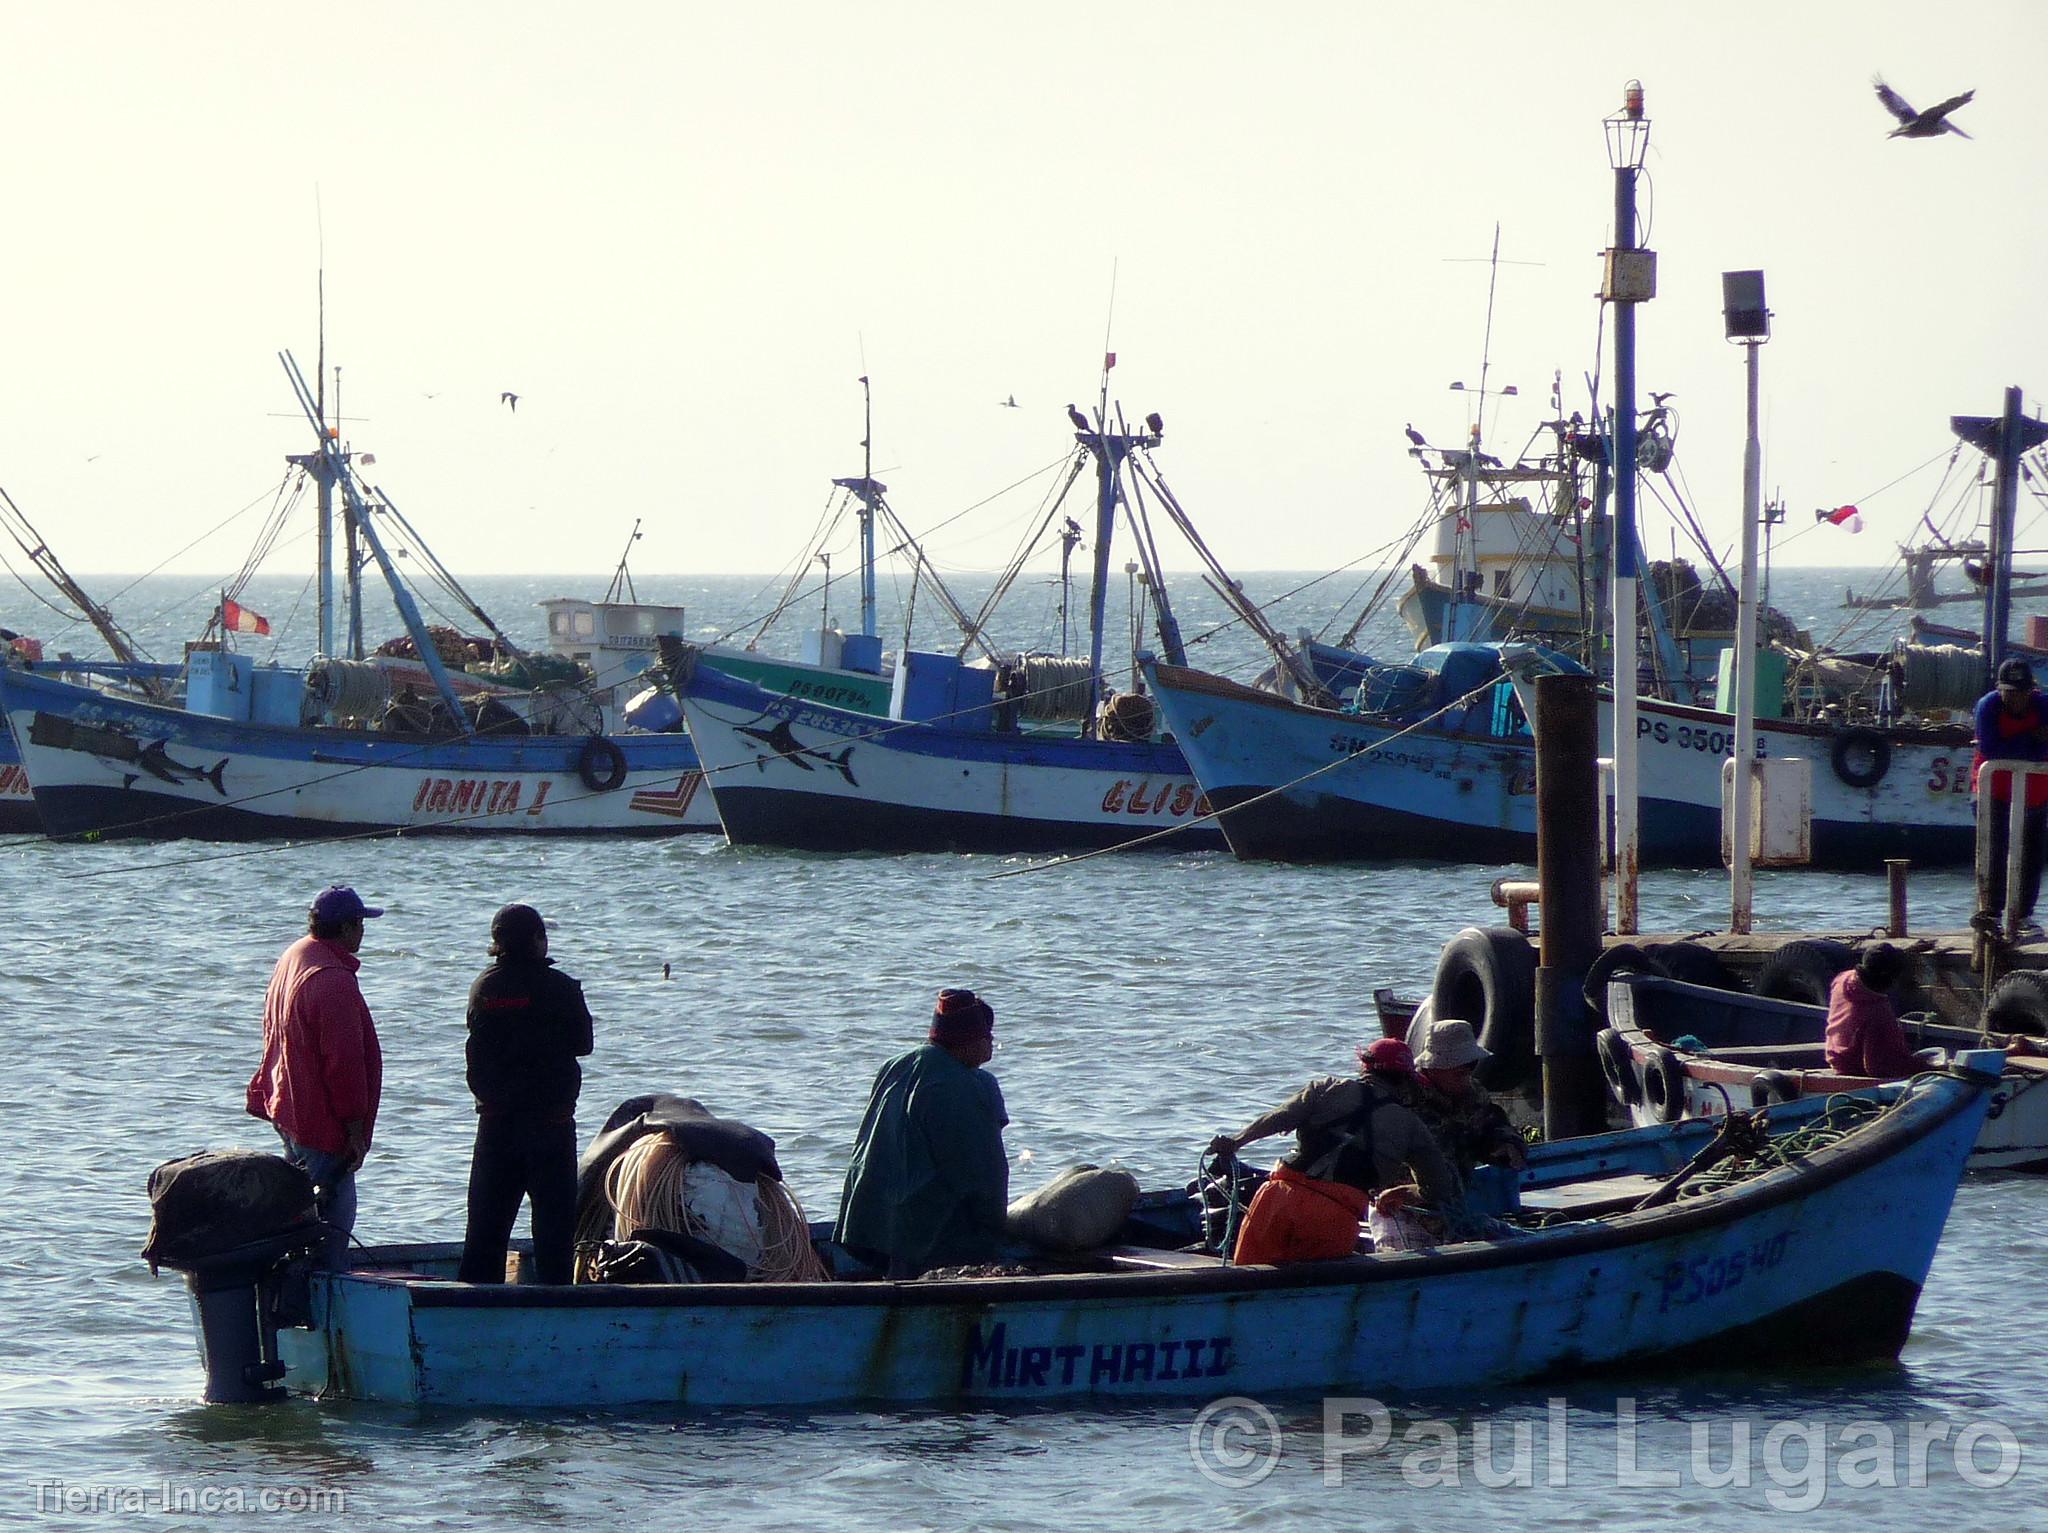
(1295, 1218)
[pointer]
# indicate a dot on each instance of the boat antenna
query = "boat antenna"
(622, 578)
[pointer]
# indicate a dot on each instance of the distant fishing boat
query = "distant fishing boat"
(1027, 753)
(354, 743)
(1818, 1260)
(1297, 783)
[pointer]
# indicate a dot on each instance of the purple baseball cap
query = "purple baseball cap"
(338, 902)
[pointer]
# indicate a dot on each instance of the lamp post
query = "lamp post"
(1748, 323)
(1630, 279)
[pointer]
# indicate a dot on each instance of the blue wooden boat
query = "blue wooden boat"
(1820, 1260)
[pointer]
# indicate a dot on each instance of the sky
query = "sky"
(681, 232)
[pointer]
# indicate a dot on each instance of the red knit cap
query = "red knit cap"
(960, 1016)
(1387, 1056)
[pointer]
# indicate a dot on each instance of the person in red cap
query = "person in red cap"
(322, 1071)
(1353, 1140)
(929, 1181)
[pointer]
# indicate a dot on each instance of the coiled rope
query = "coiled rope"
(1842, 1117)
(645, 1189)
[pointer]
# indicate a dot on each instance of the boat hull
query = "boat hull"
(104, 767)
(792, 772)
(1302, 784)
(1819, 1262)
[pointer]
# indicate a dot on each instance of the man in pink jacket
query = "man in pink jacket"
(1864, 1036)
(322, 1071)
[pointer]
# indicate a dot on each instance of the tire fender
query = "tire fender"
(601, 765)
(1861, 756)
(1804, 970)
(1617, 1064)
(1663, 1084)
(1487, 976)
(1622, 958)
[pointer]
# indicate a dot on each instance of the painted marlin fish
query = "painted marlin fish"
(782, 740)
(60, 733)
(156, 761)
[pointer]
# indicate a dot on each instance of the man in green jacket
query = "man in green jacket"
(930, 1180)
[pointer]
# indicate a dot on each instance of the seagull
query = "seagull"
(1931, 123)
(511, 400)
(1010, 403)
(1080, 421)
(1415, 436)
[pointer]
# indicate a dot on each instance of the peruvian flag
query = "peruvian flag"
(236, 618)
(1848, 518)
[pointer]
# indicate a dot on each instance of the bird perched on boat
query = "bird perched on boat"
(1080, 421)
(1415, 436)
(511, 401)
(1931, 123)
(1658, 399)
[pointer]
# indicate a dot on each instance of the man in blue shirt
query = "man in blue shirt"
(930, 1182)
(2012, 725)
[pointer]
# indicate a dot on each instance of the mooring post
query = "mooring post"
(1895, 870)
(1568, 810)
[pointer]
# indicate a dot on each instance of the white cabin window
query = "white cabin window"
(586, 624)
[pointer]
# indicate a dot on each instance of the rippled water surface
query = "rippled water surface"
(1143, 1003)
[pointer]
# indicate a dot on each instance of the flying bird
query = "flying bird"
(511, 400)
(1010, 403)
(1415, 436)
(1928, 124)
(1080, 421)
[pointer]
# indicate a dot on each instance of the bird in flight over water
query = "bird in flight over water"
(1928, 124)
(511, 401)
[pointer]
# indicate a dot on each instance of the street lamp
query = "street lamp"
(1748, 321)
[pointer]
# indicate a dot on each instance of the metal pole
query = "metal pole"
(1998, 594)
(1567, 727)
(1627, 834)
(1895, 871)
(1741, 880)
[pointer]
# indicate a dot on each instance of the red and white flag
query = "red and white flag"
(236, 618)
(1848, 518)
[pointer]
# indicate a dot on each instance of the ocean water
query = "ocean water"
(1144, 1002)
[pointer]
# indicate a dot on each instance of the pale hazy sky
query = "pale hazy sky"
(680, 232)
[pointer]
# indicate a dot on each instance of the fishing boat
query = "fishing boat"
(1807, 1250)
(409, 741)
(1018, 753)
(1442, 765)
(1675, 1050)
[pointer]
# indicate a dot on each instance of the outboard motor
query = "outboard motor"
(233, 1221)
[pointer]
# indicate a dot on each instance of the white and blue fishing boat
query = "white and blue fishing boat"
(1441, 765)
(1677, 1050)
(1817, 1254)
(1029, 753)
(354, 743)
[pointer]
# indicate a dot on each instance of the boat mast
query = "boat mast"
(1630, 279)
(1748, 323)
(622, 577)
(323, 478)
(2003, 440)
(335, 464)
(1069, 536)
(867, 509)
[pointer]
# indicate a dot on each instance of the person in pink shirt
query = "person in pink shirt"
(322, 1071)
(1864, 1036)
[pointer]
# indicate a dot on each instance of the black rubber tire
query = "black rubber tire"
(1768, 1087)
(1487, 976)
(1693, 963)
(602, 765)
(1861, 756)
(2018, 1003)
(1663, 1084)
(1803, 971)
(1622, 958)
(1619, 1066)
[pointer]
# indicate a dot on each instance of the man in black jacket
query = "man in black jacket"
(527, 1028)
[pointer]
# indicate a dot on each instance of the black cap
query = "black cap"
(2015, 672)
(514, 928)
